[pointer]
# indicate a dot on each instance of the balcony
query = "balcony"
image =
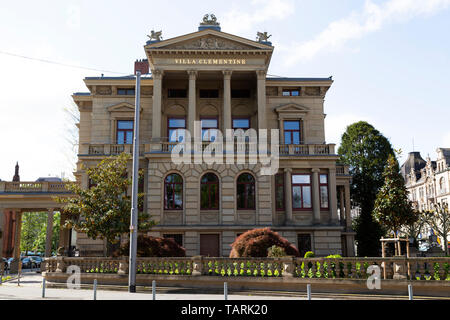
(33, 187)
(108, 149)
(168, 147)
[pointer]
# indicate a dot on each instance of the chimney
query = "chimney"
(142, 66)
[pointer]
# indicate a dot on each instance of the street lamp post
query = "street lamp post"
(135, 183)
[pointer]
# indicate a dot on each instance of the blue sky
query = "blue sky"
(389, 60)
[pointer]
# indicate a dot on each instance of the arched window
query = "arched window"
(442, 185)
(245, 192)
(209, 192)
(173, 192)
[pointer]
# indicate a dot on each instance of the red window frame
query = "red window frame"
(280, 185)
(125, 131)
(172, 185)
(174, 128)
(292, 131)
(301, 185)
(207, 184)
(328, 191)
(246, 193)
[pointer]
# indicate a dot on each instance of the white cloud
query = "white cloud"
(236, 20)
(372, 18)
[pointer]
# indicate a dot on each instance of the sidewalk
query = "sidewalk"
(31, 289)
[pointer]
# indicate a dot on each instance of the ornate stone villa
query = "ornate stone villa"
(221, 81)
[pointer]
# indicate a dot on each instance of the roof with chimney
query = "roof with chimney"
(415, 162)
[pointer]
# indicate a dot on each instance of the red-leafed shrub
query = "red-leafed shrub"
(257, 242)
(148, 246)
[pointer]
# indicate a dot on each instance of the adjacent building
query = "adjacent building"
(220, 80)
(427, 181)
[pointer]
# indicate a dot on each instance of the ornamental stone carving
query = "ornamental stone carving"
(211, 43)
(155, 36)
(209, 20)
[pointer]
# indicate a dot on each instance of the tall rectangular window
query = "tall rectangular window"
(323, 184)
(292, 132)
(301, 191)
(279, 192)
(174, 129)
(304, 243)
(209, 129)
(125, 132)
(241, 123)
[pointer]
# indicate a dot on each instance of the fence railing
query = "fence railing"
(33, 187)
(326, 268)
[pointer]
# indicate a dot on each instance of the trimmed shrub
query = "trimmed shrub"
(309, 254)
(256, 243)
(148, 246)
(276, 252)
(334, 256)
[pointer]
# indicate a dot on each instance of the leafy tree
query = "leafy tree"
(40, 241)
(439, 220)
(415, 228)
(32, 223)
(366, 151)
(103, 210)
(392, 206)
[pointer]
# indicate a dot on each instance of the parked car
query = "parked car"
(26, 263)
(36, 261)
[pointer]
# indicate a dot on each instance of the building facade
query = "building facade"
(210, 81)
(427, 181)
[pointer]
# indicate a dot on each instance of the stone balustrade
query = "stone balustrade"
(397, 268)
(33, 187)
(167, 147)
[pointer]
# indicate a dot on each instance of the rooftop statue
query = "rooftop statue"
(209, 20)
(155, 36)
(262, 37)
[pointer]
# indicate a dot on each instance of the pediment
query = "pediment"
(292, 108)
(122, 107)
(209, 40)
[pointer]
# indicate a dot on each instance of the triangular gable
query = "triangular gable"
(209, 40)
(121, 107)
(292, 108)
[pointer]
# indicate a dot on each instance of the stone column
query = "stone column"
(333, 195)
(48, 240)
(192, 101)
(288, 195)
(348, 207)
(63, 235)
(157, 101)
(261, 76)
(17, 235)
(315, 192)
(341, 204)
(2, 238)
(227, 122)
